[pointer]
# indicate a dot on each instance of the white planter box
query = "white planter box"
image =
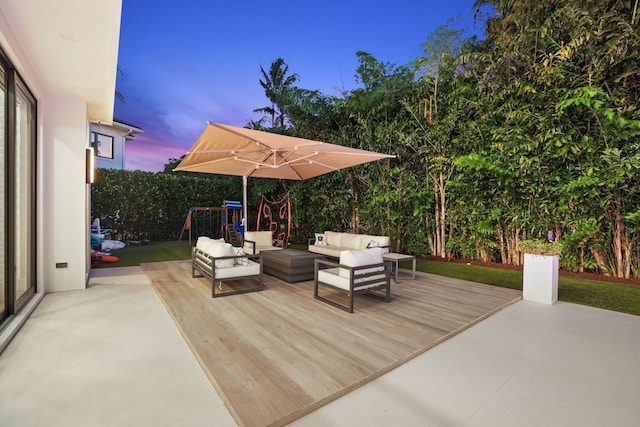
(540, 278)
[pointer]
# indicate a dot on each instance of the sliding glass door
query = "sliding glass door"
(17, 183)
(3, 186)
(24, 195)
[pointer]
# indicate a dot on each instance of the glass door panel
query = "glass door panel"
(24, 193)
(3, 192)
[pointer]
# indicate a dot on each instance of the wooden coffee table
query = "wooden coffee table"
(290, 265)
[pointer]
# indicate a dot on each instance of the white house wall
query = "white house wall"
(65, 108)
(61, 198)
(66, 134)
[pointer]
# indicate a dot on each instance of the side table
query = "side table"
(397, 258)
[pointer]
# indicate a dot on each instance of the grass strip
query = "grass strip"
(621, 297)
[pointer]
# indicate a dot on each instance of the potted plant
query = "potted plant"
(540, 273)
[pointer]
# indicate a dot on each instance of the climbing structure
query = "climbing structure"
(275, 216)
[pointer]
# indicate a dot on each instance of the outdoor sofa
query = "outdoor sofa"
(220, 261)
(358, 272)
(332, 243)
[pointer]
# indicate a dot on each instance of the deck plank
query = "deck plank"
(276, 355)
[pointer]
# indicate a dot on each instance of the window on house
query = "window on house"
(103, 145)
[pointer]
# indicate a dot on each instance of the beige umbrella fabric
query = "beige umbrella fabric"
(230, 150)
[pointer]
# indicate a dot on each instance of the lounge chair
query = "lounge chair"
(358, 272)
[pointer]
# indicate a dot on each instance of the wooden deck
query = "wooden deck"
(276, 355)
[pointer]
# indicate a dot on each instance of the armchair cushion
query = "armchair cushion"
(359, 258)
(359, 271)
(221, 261)
(256, 241)
(223, 250)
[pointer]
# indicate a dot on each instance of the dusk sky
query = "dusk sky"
(185, 63)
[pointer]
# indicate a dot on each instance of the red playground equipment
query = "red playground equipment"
(280, 222)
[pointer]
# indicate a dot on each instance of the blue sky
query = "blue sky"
(185, 63)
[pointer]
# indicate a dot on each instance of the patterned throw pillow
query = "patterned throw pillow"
(373, 244)
(321, 239)
(239, 251)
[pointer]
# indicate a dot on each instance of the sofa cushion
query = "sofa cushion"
(359, 258)
(262, 238)
(223, 250)
(351, 241)
(202, 242)
(332, 251)
(206, 244)
(333, 238)
(250, 269)
(331, 276)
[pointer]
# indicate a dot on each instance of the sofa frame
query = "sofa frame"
(204, 263)
(367, 282)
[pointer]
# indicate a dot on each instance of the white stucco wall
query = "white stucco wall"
(66, 135)
(62, 196)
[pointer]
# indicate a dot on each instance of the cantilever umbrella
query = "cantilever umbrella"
(229, 150)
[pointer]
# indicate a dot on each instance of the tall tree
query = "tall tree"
(276, 83)
(436, 114)
(558, 88)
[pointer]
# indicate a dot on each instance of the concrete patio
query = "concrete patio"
(111, 355)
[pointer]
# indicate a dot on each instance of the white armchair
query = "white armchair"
(220, 261)
(256, 241)
(358, 272)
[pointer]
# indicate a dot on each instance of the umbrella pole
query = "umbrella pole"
(244, 201)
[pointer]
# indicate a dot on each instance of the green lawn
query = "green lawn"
(611, 296)
(620, 297)
(153, 252)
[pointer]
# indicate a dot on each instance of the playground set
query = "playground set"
(227, 222)
(215, 222)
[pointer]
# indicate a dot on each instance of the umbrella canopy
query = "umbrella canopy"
(230, 150)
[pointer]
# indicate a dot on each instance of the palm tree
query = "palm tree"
(276, 83)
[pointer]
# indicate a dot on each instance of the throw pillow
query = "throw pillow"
(321, 239)
(239, 251)
(373, 244)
